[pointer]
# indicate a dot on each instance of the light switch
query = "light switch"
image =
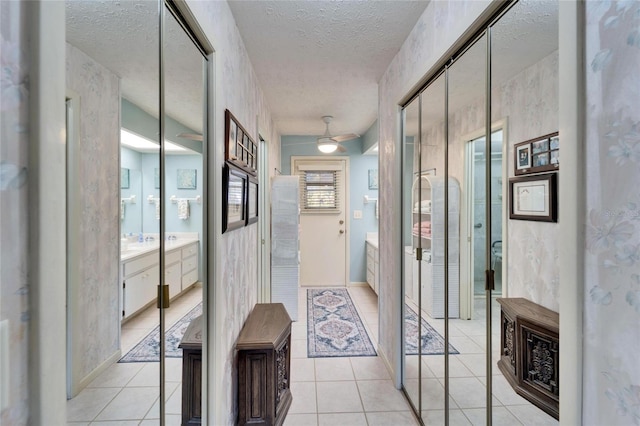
(357, 214)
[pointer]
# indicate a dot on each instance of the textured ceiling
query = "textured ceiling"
(312, 58)
(123, 36)
(316, 58)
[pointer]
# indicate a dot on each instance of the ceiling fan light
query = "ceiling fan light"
(327, 148)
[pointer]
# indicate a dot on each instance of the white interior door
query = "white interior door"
(323, 221)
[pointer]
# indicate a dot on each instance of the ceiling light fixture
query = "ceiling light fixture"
(328, 147)
(139, 143)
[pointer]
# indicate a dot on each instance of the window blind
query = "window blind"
(319, 190)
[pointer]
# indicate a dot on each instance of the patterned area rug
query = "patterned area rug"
(148, 350)
(432, 341)
(334, 328)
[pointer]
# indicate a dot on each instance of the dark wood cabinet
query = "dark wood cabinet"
(191, 345)
(264, 366)
(530, 350)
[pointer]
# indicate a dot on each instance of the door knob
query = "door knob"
(341, 222)
(342, 231)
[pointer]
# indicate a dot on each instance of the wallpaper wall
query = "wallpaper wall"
(235, 282)
(611, 377)
(14, 223)
(97, 325)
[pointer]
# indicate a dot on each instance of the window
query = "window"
(319, 190)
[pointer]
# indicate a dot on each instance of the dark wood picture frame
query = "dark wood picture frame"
(252, 200)
(537, 155)
(240, 149)
(234, 198)
(534, 198)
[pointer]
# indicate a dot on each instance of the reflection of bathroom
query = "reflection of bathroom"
(478, 169)
(140, 204)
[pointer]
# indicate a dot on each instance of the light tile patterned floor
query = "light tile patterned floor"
(326, 391)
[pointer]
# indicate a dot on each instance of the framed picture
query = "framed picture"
(234, 185)
(373, 178)
(252, 200)
(240, 149)
(124, 178)
(186, 179)
(156, 178)
(537, 155)
(534, 198)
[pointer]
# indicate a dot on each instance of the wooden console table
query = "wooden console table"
(529, 352)
(191, 345)
(264, 366)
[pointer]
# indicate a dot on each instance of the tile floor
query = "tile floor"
(326, 391)
(128, 394)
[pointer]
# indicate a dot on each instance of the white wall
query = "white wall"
(233, 280)
(94, 278)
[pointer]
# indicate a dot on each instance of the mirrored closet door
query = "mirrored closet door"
(459, 133)
(138, 76)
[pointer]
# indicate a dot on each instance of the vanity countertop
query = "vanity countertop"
(372, 238)
(139, 249)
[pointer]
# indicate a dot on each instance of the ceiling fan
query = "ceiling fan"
(192, 136)
(328, 144)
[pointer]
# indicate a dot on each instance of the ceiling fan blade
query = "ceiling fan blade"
(192, 136)
(341, 148)
(343, 138)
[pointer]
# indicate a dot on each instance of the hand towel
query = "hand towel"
(157, 200)
(183, 209)
(122, 208)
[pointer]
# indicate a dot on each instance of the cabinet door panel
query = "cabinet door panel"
(140, 290)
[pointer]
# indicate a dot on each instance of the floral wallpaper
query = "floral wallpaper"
(14, 232)
(97, 326)
(611, 382)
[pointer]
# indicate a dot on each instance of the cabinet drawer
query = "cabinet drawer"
(140, 263)
(189, 264)
(189, 278)
(172, 257)
(173, 278)
(189, 250)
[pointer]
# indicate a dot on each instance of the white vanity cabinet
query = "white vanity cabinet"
(173, 271)
(141, 275)
(140, 280)
(189, 265)
(373, 276)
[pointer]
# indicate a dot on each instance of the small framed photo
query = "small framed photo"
(373, 178)
(537, 155)
(156, 178)
(523, 157)
(234, 185)
(252, 200)
(186, 179)
(534, 198)
(124, 178)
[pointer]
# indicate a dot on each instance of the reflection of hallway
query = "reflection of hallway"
(467, 372)
(127, 393)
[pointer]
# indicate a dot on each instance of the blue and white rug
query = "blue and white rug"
(432, 341)
(334, 328)
(148, 350)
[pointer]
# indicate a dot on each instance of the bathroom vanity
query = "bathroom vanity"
(373, 270)
(140, 272)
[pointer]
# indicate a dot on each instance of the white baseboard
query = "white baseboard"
(100, 369)
(358, 284)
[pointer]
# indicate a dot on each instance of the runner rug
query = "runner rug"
(432, 341)
(334, 328)
(148, 350)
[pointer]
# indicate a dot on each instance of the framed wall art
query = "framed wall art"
(234, 187)
(124, 178)
(537, 155)
(240, 149)
(186, 179)
(252, 200)
(534, 198)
